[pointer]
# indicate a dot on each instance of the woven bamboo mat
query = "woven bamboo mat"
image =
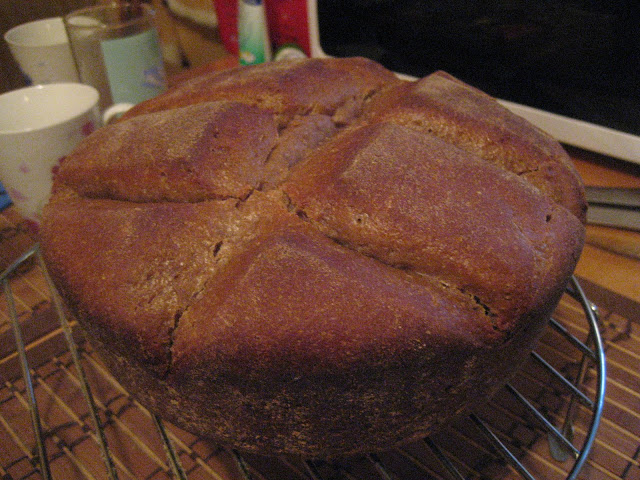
(137, 452)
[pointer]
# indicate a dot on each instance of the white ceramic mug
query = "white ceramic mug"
(39, 125)
(41, 49)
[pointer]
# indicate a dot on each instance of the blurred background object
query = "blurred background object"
(188, 31)
(16, 12)
(192, 26)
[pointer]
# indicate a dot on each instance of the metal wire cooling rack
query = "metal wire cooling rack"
(541, 426)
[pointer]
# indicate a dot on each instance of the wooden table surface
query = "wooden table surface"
(609, 267)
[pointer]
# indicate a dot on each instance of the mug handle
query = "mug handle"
(114, 111)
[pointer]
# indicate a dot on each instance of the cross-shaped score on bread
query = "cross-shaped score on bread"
(314, 257)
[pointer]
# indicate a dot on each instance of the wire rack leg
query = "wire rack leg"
(24, 365)
(176, 466)
(86, 390)
(443, 459)
(598, 352)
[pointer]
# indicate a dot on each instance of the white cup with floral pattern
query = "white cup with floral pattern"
(39, 125)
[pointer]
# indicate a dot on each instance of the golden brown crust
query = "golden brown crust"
(220, 152)
(134, 267)
(291, 265)
(297, 87)
(472, 120)
(444, 204)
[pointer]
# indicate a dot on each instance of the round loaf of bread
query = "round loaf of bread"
(314, 257)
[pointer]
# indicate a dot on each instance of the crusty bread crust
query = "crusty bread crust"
(314, 257)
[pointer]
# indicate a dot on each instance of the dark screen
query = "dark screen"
(575, 58)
